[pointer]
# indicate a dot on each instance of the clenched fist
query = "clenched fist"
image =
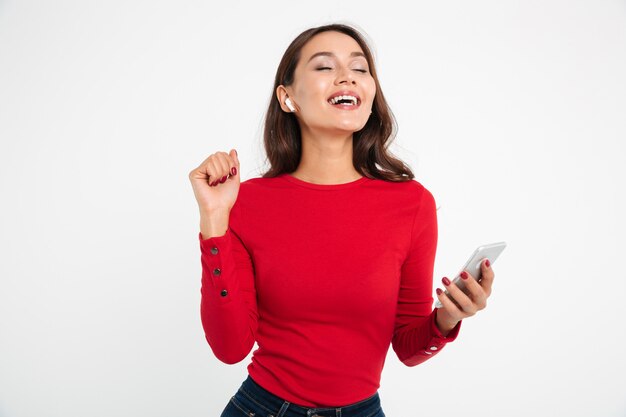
(216, 183)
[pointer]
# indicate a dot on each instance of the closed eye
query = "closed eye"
(325, 68)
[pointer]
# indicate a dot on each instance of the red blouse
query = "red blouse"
(324, 278)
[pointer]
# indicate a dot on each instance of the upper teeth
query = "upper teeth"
(334, 100)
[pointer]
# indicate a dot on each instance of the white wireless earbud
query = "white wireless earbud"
(289, 104)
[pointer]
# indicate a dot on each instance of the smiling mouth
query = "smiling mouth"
(345, 102)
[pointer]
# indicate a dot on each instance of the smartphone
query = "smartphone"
(490, 251)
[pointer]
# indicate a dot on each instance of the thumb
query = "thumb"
(233, 154)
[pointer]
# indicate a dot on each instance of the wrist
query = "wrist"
(215, 212)
(214, 224)
(444, 322)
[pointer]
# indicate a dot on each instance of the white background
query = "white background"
(512, 114)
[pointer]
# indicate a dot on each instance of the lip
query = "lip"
(347, 93)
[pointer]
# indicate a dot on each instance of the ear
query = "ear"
(281, 95)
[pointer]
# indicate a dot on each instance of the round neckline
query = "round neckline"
(314, 186)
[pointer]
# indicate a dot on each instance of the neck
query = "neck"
(326, 158)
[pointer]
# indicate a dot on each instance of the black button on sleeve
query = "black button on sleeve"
(224, 293)
(217, 272)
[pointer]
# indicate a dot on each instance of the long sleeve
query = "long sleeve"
(228, 306)
(416, 336)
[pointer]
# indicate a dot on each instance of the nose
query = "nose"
(345, 75)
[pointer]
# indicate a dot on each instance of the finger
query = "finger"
(233, 154)
(213, 171)
(449, 306)
(202, 171)
(476, 291)
(234, 164)
(467, 305)
(487, 277)
(223, 161)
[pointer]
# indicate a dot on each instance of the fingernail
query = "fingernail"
(439, 291)
(223, 179)
(464, 275)
(236, 153)
(233, 171)
(487, 263)
(445, 281)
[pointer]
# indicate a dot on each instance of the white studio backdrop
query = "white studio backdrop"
(511, 113)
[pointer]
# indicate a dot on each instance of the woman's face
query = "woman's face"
(331, 63)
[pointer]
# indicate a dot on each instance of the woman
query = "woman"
(326, 259)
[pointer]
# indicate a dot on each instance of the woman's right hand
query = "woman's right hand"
(216, 183)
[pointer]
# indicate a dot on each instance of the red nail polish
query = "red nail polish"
(233, 171)
(439, 291)
(445, 281)
(223, 179)
(464, 275)
(487, 263)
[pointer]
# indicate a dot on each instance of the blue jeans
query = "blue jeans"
(252, 400)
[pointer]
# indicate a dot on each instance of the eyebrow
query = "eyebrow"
(325, 53)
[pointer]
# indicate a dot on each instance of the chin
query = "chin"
(345, 126)
(351, 126)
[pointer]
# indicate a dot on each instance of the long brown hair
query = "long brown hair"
(282, 138)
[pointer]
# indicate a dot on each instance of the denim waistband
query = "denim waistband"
(279, 407)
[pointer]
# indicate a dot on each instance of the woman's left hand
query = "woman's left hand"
(450, 314)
